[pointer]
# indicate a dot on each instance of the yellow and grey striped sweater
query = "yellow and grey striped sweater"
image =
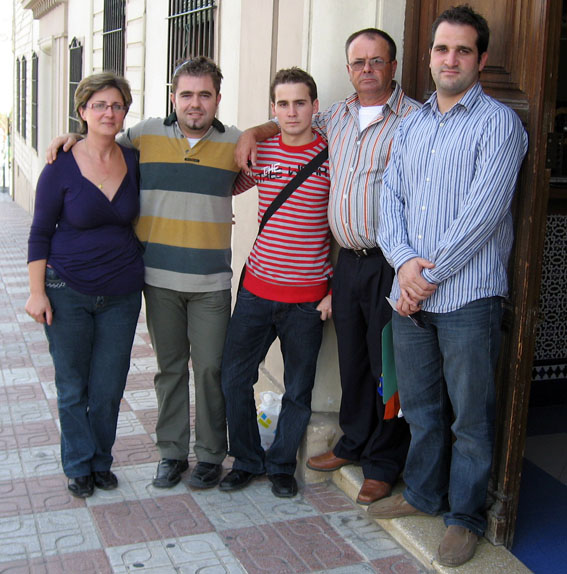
(185, 204)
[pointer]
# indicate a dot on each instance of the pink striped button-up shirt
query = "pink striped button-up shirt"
(357, 160)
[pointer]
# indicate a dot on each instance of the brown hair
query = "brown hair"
(95, 83)
(199, 66)
(293, 75)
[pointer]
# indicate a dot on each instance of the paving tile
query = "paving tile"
(49, 493)
(302, 545)
(254, 505)
(36, 434)
(67, 531)
(40, 461)
(18, 375)
(201, 553)
(401, 564)
(29, 412)
(327, 497)
(142, 399)
(135, 449)
(150, 519)
(128, 424)
(364, 534)
(26, 392)
(91, 562)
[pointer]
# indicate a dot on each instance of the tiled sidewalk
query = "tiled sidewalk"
(137, 528)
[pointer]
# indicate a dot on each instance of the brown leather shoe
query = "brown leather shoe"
(373, 490)
(394, 507)
(457, 547)
(327, 462)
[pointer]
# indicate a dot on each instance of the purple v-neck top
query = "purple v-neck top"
(88, 239)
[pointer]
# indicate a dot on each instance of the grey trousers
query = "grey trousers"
(184, 325)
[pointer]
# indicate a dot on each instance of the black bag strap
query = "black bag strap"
(291, 186)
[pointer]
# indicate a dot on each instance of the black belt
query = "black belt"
(366, 252)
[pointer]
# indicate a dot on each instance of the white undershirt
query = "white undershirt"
(193, 141)
(367, 114)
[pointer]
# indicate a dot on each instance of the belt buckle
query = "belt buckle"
(361, 252)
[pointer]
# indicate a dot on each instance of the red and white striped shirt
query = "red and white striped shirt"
(290, 260)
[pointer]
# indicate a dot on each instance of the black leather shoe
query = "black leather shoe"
(105, 479)
(168, 472)
(283, 485)
(205, 475)
(81, 486)
(236, 479)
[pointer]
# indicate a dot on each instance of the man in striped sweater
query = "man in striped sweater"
(285, 292)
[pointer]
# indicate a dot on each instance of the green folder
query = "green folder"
(389, 379)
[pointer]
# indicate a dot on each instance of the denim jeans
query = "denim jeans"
(254, 325)
(446, 382)
(90, 341)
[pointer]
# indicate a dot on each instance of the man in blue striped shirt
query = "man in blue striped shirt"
(446, 228)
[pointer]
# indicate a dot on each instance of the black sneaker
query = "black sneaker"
(81, 486)
(205, 475)
(283, 485)
(105, 479)
(168, 472)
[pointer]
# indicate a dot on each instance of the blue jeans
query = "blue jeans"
(90, 341)
(446, 382)
(253, 327)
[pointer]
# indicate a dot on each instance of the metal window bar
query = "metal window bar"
(34, 98)
(23, 128)
(75, 76)
(18, 94)
(113, 36)
(191, 27)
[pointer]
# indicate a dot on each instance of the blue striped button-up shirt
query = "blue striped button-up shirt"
(447, 194)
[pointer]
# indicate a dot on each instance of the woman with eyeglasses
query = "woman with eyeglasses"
(86, 276)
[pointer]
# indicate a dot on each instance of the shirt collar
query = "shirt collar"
(394, 102)
(172, 119)
(466, 102)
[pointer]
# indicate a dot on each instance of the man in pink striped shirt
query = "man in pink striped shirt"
(285, 292)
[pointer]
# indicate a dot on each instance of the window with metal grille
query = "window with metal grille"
(18, 94)
(75, 76)
(113, 36)
(34, 94)
(191, 27)
(23, 98)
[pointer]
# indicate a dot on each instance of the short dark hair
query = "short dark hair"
(198, 66)
(372, 32)
(293, 75)
(95, 83)
(465, 16)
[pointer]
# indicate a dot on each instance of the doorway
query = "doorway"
(522, 72)
(541, 533)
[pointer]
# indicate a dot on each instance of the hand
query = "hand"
(246, 151)
(38, 308)
(406, 306)
(66, 140)
(325, 307)
(414, 287)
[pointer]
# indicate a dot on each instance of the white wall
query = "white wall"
(257, 38)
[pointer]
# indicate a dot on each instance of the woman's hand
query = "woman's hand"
(39, 309)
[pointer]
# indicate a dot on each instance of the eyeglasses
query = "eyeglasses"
(375, 64)
(101, 107)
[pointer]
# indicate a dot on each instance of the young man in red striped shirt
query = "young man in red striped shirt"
(285, 292)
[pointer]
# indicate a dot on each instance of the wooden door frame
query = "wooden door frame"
(535, 104)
